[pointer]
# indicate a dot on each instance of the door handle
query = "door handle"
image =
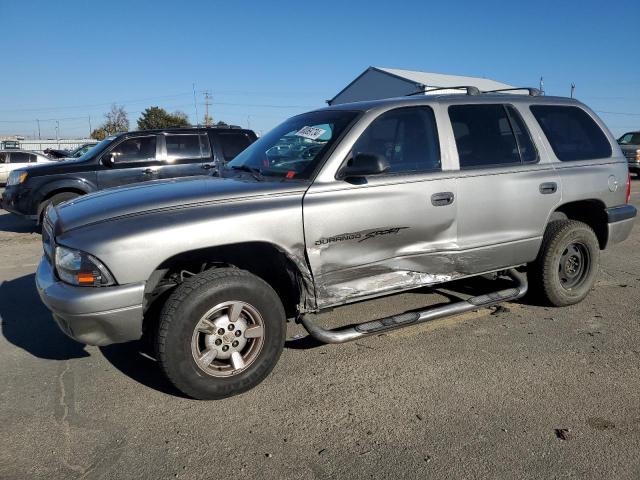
(149, 171)
(548, 187)
(206, 166)
(441, 199)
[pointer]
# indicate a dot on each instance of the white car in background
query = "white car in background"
(18, 159)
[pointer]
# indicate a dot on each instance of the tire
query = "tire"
(190, 324)
(54, 200)
(567, 265)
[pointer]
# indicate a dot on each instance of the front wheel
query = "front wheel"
(567, 265)
(221, 332)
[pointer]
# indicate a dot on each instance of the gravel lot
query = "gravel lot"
(531, 392)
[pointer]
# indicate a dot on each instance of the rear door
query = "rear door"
(135, 159)
(184, 154)
(506, 188)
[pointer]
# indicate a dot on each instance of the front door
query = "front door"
(134, 159)
(385, 232)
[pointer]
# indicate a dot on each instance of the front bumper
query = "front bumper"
(620, 224)
(15, 199)
(92, 315)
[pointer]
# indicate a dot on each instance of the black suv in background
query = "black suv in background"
(122, 159)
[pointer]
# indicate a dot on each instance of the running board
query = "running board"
(346, 334)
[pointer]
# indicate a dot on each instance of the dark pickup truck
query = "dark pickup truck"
(630, 145)
(124, 159)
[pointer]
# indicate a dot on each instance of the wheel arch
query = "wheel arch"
(591, 211)
(288, 276)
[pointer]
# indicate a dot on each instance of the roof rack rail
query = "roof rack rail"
(533, 92)
(471, 90)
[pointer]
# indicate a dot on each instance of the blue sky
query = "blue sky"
(265, 61)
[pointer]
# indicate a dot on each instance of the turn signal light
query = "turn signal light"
(85, 278)
(629, 187)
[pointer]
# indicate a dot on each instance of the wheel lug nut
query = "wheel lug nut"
(234, 344)
(230, 327)
(218, 342)
(238, 333)
(221, 331)
(225, 348)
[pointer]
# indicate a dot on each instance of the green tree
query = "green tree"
(156, 117)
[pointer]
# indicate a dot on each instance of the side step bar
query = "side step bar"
(346, 334)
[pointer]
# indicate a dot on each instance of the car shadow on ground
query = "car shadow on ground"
(15, 224)
(27, 324)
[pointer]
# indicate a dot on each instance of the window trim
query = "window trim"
(589, 115)
(406, 172)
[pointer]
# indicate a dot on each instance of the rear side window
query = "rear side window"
(3, 157)
(406, 137)
(572, 133)
(484, 136)
(232, 144)
(528, 152)
(183, 146)
(19, 157)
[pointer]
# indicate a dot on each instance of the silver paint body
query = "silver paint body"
(495, 222)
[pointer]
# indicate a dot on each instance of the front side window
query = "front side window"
(572, 133)
(182, 146)
(135, 149)
(294, 149)
(3, 157)
(406, 137)
(484, 136)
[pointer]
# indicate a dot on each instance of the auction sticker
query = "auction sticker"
(312, 133)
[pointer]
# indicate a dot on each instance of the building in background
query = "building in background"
(380, 82)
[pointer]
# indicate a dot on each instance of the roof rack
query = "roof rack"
(533, 92)
(471, 90)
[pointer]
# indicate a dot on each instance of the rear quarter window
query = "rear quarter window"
(572, 133)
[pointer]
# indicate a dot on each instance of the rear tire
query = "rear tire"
(54, 200)
(567, 265)
(220, 333)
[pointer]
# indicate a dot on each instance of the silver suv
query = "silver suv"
(335, 206)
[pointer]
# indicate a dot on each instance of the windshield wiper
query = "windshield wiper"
(255, 172)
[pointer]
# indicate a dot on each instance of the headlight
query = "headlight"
(16, 177)
(81, 269)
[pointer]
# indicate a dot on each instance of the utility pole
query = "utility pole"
(38, 122)
(573, 89)
(90, 130)
(542, 85)
(58, 133)
(207, 119)
(195, 103)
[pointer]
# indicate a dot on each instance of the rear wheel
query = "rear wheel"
(54, 200)
(567, 265)
(220, 333)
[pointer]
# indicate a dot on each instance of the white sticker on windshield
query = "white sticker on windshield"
(312, 133)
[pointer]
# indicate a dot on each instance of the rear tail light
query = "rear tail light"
(628, 188)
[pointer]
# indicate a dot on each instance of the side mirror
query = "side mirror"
(364, 164)
(108, 160)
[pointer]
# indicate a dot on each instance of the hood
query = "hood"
(629, 148)
(163, 194)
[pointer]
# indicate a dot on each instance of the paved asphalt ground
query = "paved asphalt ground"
(483, 395)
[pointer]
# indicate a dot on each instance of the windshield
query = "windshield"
(293, 149)
(97, 148)
(632, 138)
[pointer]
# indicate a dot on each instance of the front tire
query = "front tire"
(220, 333)
(54, 200)
(567, 265)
